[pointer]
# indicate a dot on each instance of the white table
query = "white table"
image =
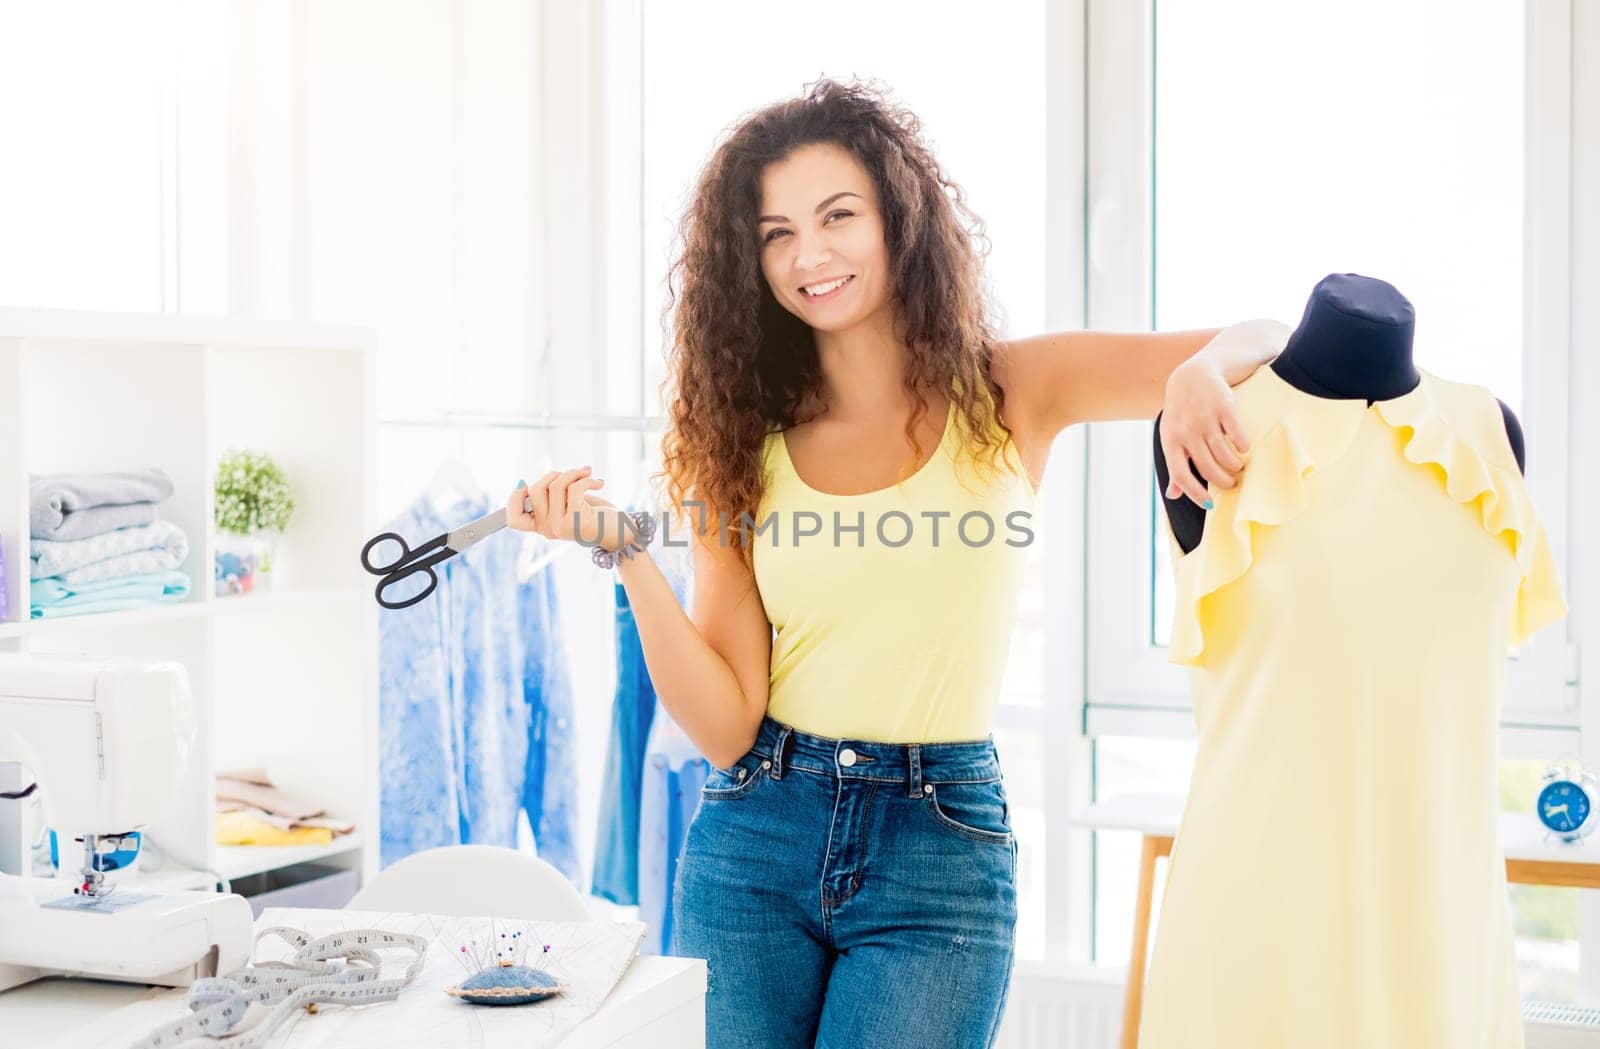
(1532, 858)
(658, 1004)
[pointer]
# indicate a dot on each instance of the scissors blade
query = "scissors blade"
(473, 531)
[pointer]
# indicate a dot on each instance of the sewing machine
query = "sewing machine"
(104, 744)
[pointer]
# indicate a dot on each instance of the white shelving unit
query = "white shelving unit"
(286, 679)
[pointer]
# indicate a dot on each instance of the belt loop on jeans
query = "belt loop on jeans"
(914, 762)
(779, 746)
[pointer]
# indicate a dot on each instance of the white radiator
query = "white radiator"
(1062, 1007)
(1550, 1025)
(1080, 1007)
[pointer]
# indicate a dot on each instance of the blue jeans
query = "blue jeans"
(851, 893)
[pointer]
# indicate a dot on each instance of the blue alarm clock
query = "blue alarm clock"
(1566, 802)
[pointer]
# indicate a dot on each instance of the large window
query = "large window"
(1130, 765)
(1410, 172)
(1239, 151)
(1546, 921)
(1231, 154)
(1225, 201)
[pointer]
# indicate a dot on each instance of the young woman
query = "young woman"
(839, 390)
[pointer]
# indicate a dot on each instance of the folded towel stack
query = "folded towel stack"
(251, 811)
(98, 546)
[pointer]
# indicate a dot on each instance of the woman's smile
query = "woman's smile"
(826, 290)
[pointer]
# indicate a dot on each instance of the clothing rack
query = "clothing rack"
(556, 551)
(461, 420)
(529, 421)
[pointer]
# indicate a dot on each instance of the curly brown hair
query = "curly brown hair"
(741, 366)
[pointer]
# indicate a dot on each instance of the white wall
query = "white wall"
(83, 187)
(430, 169)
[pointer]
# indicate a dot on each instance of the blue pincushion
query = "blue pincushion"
(501, 977)
(506, 985)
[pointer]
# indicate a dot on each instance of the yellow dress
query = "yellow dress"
(1338, 880)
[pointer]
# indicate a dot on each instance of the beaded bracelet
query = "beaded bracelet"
(644, 528)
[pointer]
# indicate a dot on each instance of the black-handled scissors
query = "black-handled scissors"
(424, 558)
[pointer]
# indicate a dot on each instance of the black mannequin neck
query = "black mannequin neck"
(1354, 341)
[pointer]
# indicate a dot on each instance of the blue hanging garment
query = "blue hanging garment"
(633, 710)
(417, 758)
(550, 777)
(475, 704)
(674, 772)
(616, 850)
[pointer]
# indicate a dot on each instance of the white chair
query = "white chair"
(472, 881)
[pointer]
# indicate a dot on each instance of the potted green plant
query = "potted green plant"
(253, 506)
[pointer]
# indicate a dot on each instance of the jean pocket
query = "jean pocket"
(977, 811)
(738, 781)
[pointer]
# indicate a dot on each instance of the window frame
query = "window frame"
(1130, 681)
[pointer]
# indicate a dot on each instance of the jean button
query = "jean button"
(847, 757)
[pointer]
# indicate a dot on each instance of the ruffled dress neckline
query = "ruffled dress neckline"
(1296, 432)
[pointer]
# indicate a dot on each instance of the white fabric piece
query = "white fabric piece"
(13, 894)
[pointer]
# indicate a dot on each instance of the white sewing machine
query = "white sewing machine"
(104, 743)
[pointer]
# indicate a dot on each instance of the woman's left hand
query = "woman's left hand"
(1200, 422)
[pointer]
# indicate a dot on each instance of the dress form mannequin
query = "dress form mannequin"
(1345, 622)
(1354, 342)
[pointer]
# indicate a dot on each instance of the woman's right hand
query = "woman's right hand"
(560, 498)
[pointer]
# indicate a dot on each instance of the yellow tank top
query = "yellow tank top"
(894, 608)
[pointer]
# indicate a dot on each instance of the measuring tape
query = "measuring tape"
(343, 968)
